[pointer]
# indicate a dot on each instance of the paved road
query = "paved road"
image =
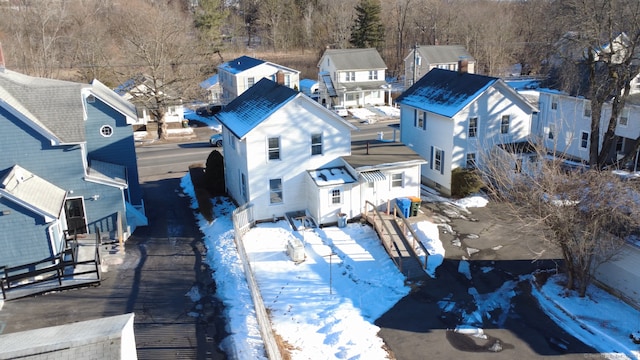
(501, 251)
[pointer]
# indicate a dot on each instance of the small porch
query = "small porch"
(75, 267)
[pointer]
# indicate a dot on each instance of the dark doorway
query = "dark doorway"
(74, 209)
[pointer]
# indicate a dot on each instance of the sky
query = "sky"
(326, 304)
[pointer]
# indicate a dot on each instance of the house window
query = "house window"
(351, 96)
(350, 76)
(316, 144)
(623, 121)
(274, 148)
(504, 124)
(106, 131)
(421, 120)
(437, 157)
(418, 60)
(587, 110)
(373, 75)
(552, 130)
(232, 140)
(471, 161)
(584, 139)
(473, 126)
(397, 180)
(287, 80)
(275, 191)
(250, 82)
(554, 104)
(336, 196)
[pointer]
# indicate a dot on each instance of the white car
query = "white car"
(340, 110)
(216, 140)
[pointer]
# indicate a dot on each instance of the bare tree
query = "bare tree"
(608, 32)
(162, 49)
(586, 214)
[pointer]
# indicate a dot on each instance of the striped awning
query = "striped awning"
(373, 175)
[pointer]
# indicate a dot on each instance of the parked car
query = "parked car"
(216, 140)
(208, 110)
(340, 110)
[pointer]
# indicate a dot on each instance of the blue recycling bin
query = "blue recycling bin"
(404, 205)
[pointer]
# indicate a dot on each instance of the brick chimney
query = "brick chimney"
(2, 64)
(280, 77)
(463, 66)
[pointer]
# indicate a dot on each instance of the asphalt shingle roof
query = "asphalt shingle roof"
(54, 105)
(445, 92)
(254, 106)
(356, 59)
(36, 192)
(444, 54)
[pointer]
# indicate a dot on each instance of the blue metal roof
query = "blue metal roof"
(241, 64)
(445, 92)
(209, 82)
(254, 106)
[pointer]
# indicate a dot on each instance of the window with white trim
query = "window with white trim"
(552, 130)
(250, 82)
(106, 131)
(504, 124)
(350, 76)
(587, 109)
(336, 196)
(471, 160)
(275, 191)
(623, 120)
(316, 144)
(397, 180)
(274, 148)
(473, 126)
(584, 139)
(554, 104)
(420, 120)
(438, 157)
(373, 74)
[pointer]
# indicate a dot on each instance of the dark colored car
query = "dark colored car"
(208, 110)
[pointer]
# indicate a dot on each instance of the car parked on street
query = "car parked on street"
(216, 140)
(340, 110)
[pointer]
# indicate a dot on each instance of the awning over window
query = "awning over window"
(373, 175)
(326, 78)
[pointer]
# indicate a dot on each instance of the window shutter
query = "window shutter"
(415, 118)
(442, 162)
(432, 159)
(424, 120)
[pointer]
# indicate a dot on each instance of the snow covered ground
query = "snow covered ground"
(325, 306)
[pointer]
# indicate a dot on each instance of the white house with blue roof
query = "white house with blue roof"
(213, 88)
(68, 166)
(452, 117)
(238, 75)
(286, 153)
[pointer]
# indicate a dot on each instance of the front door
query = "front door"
(74, 209)
(369, 193)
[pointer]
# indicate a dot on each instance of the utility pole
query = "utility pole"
(415, 60)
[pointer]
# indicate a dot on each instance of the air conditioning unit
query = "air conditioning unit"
(295, 250)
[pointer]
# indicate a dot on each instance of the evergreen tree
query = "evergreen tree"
(368, 30)
(209, 20)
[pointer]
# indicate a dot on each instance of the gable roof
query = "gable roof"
(254, 106)
(33, 192)
(445, 92)
(241, 64)
(55, 106)
(109, 97)
(209, 82)
(355, 59)
(442, 54)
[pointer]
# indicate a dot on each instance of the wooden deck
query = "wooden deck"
(408, 254)
(80, 272)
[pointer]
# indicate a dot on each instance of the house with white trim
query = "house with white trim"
(238, 75)
(286, 153)
(451, 117)
(68, 166)
(422, 58)
(352, 78)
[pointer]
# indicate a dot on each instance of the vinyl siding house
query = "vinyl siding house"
(451, 118)
(136, 90)
(238, 75)
(213, 88)
(285, 153)
(565, 126)
(423, 58)
(352, 78)
(68, 166)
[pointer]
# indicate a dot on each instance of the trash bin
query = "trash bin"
(415, 205)
(185, 123)
(342, 220)
(404, 205)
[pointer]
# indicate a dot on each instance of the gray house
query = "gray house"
(422, 58)
(68, 166)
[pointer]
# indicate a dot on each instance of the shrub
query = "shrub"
(465, 182)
